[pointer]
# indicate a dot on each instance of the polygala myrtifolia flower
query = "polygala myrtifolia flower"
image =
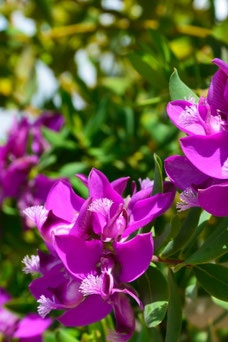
(203, 174)
(92, 259)
(29, 328)
(16, 163)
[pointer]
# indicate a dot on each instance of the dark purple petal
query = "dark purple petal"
(83, 222)
(207, 153)
(125, 319)
(134, 256)
(183, 173)
(63, 201)
(16, 175)
(32, 325)
(53, 121)
(91, 310)
(77, 255)
(137, 196)
(214, 199)
(176, 109)
(41, 187)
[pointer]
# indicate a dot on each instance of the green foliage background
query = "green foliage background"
(115, 124)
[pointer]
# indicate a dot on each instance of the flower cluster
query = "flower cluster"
(27, 329)
(93, 256)
(16, 163)
(202, 173)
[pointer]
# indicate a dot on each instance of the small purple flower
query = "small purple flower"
(27, 329)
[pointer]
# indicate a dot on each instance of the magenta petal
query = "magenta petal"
(82, 178)
(145, 211)
(83, 222)
(31, 326)
(214, 199)
(125, 319)
(99, 187)
(182, 173)
(77, 255)
(63, 201)
(4, 296)
(134, 256)
(175, 109)
(91, 310)
(207, 153)
(120, 184)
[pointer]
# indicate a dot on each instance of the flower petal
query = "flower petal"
(190, 124)
(63, 201)
(120, 184)
(91, 310)
(77, 255)
(134, 256)
(183, 173)
(146, 210)
(207, 153)
(214, 199)
(99, 187)
(31, 326)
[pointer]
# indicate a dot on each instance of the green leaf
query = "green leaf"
(63, 335)
(220, 302)
(58, 139)
(174, 320)
(154, 292)
(158, 177)
(70, 169)
(97, 120)
(178, 90)
(215, 246)
(20, 305)
(49, 336)
(185, 234)
(214, 279)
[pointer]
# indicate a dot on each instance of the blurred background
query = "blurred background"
(105, 66)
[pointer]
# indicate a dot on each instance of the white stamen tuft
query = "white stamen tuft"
(225, 168)
(32, 264)
(36, 213)
(189, 116)
(91, 285)
(101, 205)
(190, 99)
(188, 199)
(146, 183)
(46, 305)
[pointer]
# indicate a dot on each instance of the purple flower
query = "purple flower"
(88, 280)
(110, 216)
(199, 189)
(27, 329)
(92, 260)
(218, 90)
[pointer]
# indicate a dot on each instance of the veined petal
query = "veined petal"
(63, 201)
(207, 153)
(186, 117)
(134, 256)
(77, 255)
(91, 310)
(214, 199)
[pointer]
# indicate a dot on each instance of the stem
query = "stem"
(166, 261)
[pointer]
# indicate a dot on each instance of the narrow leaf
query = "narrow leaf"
(174, 321)
(158, 177)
